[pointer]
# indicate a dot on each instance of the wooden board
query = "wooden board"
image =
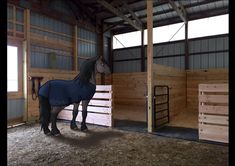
(92, 118)
(196, 77)
(213, 112)
(99, 110)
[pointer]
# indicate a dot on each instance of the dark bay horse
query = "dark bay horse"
(55, 95)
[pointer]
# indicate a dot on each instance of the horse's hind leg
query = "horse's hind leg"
(73, 125)
(84, 114)
(54, 113)
(44, 109)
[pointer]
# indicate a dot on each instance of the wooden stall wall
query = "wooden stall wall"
(196, 77)
(33, 105)
(175, 79)
(213, 112)
(130, 92)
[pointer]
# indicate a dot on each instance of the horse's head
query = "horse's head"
(102, 66)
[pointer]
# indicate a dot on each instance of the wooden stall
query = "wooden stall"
(213, 112)
(196, 77)
(99, 109)
(130, 92)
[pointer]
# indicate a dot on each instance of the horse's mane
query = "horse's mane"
(86, 69)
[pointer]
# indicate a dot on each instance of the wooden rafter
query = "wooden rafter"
(179, 10)
(133, 14)
(119, 14)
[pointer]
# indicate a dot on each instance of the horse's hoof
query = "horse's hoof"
(55, 132)
(84, 128)
(47, 131)
(73, 127)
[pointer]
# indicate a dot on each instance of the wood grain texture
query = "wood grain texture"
(213, 117)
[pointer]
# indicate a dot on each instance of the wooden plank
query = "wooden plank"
(213, 87)
(213, 119)
(107, 110)
(207, 128)
(214, 137)
(107, 103)
(92, 118)
(219, 110)
(213, 133)
(103, 87)
(98, 95)
(213, 98)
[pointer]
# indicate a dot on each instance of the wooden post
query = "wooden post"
(75, 50)
(111, 53)
(26, 63)
(150, 64)
(142, 51)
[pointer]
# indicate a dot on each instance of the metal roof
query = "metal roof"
(163, 12)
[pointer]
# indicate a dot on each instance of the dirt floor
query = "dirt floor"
(105, 146)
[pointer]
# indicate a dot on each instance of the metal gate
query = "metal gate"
(161, 106)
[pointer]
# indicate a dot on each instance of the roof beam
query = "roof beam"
(119, 14)
(133, 14)
(179, 10)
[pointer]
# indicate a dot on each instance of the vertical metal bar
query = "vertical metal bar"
(168, 112)
(142, 52)
(186, 47)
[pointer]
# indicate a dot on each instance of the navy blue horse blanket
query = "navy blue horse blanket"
(66, 92)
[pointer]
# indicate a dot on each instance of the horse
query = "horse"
(55, 95)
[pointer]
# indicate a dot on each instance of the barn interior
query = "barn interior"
(54, 37)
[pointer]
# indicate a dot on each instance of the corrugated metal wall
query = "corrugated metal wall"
(53, 29)
(87, 45)
(204, 53)
(209, 53)
(15, 108)
(61, 6)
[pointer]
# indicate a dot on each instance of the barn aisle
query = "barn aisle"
(26, 145)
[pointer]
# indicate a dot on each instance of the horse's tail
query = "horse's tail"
(44, 110)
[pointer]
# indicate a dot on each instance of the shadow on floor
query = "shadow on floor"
(167, 131)
(178, 132)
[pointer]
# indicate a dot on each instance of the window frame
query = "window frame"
(19, 93)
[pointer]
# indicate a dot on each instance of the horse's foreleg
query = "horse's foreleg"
(84, 114)
(54, 113)
(73, 125)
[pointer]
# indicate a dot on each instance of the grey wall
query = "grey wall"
(15, 108)
(87, 45)
(39, 54)
(204, 53)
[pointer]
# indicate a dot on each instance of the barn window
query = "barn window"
(12, 69)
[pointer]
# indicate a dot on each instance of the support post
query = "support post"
(186, 47)
(101, 48)
(150, 64)
(26, 63)
(142, 52)
(75, 50)
(111, 52)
